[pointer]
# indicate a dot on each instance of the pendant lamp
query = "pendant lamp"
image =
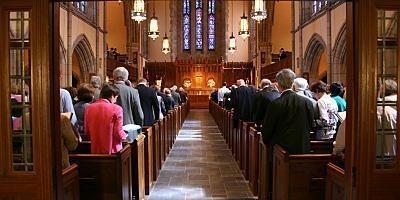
(138, 13)
(259, 13)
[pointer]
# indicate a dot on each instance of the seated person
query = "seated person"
(69, 141)
(103, 122)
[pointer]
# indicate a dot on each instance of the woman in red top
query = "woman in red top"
(103, 122)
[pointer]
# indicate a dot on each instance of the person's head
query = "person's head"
(336, 89)
(265, 83)
(300, 84)
(85, 93)
(142, 81)
(158, 82)
(174, 88)
(318, 88)
(95, 81)
(181, 89)
(110, 92)
(167, 92)
(282, 50)
(285, 79)
(72, 91)
(120, 74)
(241, 82)
(224, 84)
(234, 86)
(390, 87)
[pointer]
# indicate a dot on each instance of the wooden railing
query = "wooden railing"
(128, 174)
(271, 70)
(277, 174)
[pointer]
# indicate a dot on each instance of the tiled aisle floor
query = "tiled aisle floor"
(200, 165)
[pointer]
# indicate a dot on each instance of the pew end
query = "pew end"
(70, 182)
(334, 188)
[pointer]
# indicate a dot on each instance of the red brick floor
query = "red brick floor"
(200, 165)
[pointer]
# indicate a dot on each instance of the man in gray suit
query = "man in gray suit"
(128, 98)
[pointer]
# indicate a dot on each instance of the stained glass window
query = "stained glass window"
(199, 24)
(81, 5)
(186, 24)
(211, 24)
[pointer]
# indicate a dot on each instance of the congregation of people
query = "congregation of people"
(289, 112)
(100, 112)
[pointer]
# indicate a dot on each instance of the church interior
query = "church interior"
(174, 99)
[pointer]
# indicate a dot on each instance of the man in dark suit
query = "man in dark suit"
(128, 98)
(262, 99)
(242, 100)
(149, 102)
(289, 118)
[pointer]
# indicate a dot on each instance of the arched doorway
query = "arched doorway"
(339, 57)
(316, 59)
(82, 61)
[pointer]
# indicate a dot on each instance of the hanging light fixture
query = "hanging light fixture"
(244, 25)
(138, 13)
(119, 1)
(259, 13)
(232, 40)
(153, 27)
(165, 43)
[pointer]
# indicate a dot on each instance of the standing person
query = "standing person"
(327, 121)
(161, 101)
(175, 95)
(282, 54)
(169, 101)
(300, 86)
(183, 95)
(242, 100)
(337, 91)
(95, 81)
(289, 118)
(128, 98)
(85, 97)
(66, 104)
(103, 122)
(221, 93)
(149, 103)
(262, 99)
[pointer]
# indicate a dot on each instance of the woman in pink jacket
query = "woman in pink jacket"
(103, 122)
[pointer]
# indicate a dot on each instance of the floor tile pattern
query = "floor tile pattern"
(200, 165)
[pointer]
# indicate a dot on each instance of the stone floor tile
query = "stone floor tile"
(200, 165)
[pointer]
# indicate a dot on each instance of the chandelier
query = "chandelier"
(232, 44)
(259, 13)
(153, 27)
(138, 13)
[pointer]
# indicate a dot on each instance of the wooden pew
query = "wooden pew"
(164, 139)
(334, 189)
(104, 176)
(70, 183)
(300, 176)
(231, 131)
(265, 171)
(245, 148)
(237, 143)
(254, 139)
(138, 167)
(156, 149)
(148, 158)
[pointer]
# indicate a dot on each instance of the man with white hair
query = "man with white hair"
(95, 81)
(128, 98)
(300, 86)
(262, 99)
(288, 120)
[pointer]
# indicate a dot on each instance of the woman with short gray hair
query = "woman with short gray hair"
(120, 74)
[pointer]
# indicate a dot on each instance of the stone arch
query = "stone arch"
(315, 51)
(85, 57)
(339, 57)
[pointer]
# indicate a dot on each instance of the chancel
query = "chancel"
(199, 99)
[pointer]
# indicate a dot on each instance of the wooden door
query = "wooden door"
(26, 111)
(372, 148)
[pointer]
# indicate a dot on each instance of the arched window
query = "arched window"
(186, 24)
(199, 24)
(211, 24)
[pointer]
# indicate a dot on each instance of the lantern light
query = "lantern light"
(153, 32)
(259, 13)
(232, 44)
(244, 27)
(138, 13)
(165, 45)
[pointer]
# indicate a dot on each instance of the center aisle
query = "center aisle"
(200, 165)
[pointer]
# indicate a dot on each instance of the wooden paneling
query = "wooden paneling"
(334, 189)
(138, 167)
(271, 70)
(198, 101)
(70, 183)
(148, 158)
